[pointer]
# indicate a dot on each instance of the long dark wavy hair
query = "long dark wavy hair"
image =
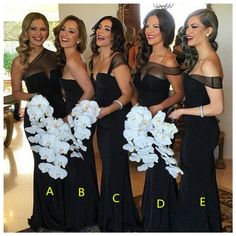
(81, 46)
(167, 28)
(24, 49)
(209, 19)
(117, 31)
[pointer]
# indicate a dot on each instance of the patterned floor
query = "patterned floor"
(225, 204)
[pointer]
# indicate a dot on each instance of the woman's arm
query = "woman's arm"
(176, 82)
(134, 97)
(132, 57)
(215, 107)
(178, 93)
(16, 81)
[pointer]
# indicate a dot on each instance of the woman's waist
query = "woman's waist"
(103, 102)
(198, 121)
(147, 102)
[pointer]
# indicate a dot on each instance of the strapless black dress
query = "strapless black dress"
(81, 187)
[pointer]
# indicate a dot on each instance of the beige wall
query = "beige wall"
(225, 51)
(90, 14)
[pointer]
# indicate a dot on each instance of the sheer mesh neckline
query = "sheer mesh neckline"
(158, 70)
(210, 81)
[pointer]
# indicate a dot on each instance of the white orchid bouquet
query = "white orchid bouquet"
(83, 115)
(52, 137)
(145, 134)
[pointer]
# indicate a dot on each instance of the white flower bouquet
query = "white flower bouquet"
(53, 136)
(83, 115)
(145, 134)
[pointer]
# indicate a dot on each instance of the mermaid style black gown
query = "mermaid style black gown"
(117, 211)
(198, 202)
(160, 189)
(41, 77)
(81, 188)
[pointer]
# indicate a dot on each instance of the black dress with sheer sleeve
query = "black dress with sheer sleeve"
(160, 189)
(198, 202)
(81, 186)
(117, 210)
(41, 76)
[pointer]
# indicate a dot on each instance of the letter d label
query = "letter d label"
(160, 203)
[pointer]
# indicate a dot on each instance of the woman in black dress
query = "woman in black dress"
(156, 70)
(198, 202)
(81, 188)
(38, 68)
(111, 78)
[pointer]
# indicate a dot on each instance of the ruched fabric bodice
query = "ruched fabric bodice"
(152, 84)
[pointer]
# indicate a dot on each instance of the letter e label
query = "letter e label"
(202, 201)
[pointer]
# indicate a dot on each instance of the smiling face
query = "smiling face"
(103, 33)
(37, 33)
(196, 32)
(152, 31)
(69, 34)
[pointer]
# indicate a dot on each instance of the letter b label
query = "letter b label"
(81, 192)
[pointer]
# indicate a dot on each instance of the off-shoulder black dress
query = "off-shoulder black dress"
(198, 202)
(160, 189)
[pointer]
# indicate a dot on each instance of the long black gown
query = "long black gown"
(198, 202)
(160, 189)
(117, 211)
(41, 77)
(81, 188)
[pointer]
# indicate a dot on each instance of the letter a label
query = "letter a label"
(49, 191)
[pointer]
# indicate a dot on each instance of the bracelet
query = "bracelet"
(117, 101)
(201, 111)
